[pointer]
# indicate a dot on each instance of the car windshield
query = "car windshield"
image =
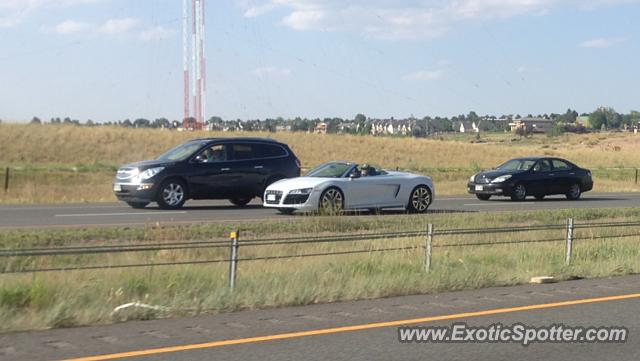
(517, 164)
(181, 152)
(330, 170)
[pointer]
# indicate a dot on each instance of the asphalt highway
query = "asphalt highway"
(361, 330)
(119, 214)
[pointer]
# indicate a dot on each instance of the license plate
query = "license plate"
(479, 188)
(271, 197)
(117, 188)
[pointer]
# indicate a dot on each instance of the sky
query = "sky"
(109, 60)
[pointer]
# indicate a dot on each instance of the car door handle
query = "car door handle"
(225, 169)
(572, 173)
(551, 174)
(258, 167)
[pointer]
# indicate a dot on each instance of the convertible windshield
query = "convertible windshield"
(518, 164)
(182, 151)
(330, 170)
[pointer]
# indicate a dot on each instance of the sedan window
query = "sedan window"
(517, 164)
(560, 165)
(542, 166)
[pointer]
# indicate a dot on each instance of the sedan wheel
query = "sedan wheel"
(519, 193)
(574, 192)
(172, 195)
(483, 197)
(420, 199)
(331, 201)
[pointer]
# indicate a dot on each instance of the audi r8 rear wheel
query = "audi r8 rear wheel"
(420, 199)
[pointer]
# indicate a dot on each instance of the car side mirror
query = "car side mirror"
(200, 159)
(353, 176)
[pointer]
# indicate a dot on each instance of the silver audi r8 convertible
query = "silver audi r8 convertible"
(336, 186)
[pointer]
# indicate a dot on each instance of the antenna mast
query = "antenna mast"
(194, 77)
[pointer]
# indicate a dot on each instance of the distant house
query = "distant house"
(532, 125)
(466, 127)
(321, 128)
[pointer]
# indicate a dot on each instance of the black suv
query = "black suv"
(237, 169)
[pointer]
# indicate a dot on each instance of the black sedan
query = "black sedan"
(533, 176)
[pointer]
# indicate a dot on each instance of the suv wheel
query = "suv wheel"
(172, 194)
(240, 202)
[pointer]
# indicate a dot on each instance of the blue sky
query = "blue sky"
(107, 60)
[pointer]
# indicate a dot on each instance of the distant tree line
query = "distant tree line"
(602, 118)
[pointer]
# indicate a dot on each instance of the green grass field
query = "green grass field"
(71, 298)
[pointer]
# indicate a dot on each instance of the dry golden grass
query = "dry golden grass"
(449, 160)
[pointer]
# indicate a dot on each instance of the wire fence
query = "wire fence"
(233, 251)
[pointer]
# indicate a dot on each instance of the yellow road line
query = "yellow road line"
(368, 326)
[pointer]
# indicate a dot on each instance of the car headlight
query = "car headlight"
(501, 179)
(150, 173)
(473, 178)
(301, 191)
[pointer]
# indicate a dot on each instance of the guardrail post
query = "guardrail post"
(427, 249)
(636, 175)
(569, 247)
(6, 180)
(233, 260)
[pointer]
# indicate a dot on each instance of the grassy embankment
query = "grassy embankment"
(36, 301)
(74, 164)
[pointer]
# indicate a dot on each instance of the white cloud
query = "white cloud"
(118, 26)
(271, 71)
(114, 27)
(71, 27)
(601, 43)
(13, 12)
(156, 33)
(521, 69)
(424, 75)
(413, 19)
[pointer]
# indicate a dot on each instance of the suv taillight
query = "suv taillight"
(298, 163)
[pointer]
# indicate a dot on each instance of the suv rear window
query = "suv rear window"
(269, 150)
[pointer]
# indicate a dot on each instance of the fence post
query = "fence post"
(6, 180)
(427, 250)
(233, 260)
(636, 175)
(569, 247)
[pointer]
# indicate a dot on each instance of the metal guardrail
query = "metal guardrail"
(433, 239)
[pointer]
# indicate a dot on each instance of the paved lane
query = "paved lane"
(224, 336)
(112, 214)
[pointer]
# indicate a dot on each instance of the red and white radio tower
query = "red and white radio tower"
(194, 76)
